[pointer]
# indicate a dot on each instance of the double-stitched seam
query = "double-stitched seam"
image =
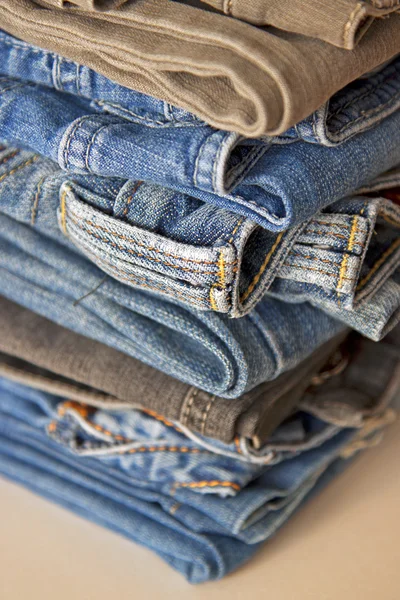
(342, 271)
(366, 114)
(332, 234)
(135, 279)
(378, 264)
(262, 269)
(188, 407)
(71, 135)
(132, 195)
(309, 257)
(203, 484)
(77, 220)
(185, 297)
(307, 268)
(332, 223)
(91, 144)
(36, 200)
(238, 224)
(205, 415)
(19, 167)
(367, 93)
(142, 255)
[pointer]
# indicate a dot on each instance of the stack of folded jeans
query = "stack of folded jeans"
(199, 251)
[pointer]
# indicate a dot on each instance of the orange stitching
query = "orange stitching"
(262, 269)
(63, 212)
(235, 230)
(183, 449)
(338, 235)
(129, 239)
(36, 201)
(318, 271)
(151, 258)
(378, 263)
(21, 166)
(346, 255)
(202, 484)
(331, 224)
(158, 417)
(237, 444)
(186, 297)
(83, 412)
(7, 158)
(135, 189)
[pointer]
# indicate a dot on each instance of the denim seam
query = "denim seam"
(19, 167)
(35, 204)
(131, 196)
(205, 414)
(343, 267)
(308, 268)
(238, 172)
(133, 279)
(188, 405)
(365, 115)
(222, 145)
(203, 484)
(91, 144)
(392, 248)
(367, 92)
(9, 157)
(257, 278)
(29, 49)
(148, 120)
(77, 222)
(77, 125)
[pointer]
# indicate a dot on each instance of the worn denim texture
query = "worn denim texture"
(41, 269)
(193, 524)
(188, 257)
(88, 124)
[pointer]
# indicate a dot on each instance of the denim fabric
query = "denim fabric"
(46, 356)
(203, 528)
(41, 270)
(89, 125)
(351, 268)
(205, 257)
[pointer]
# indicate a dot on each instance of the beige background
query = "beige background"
(345, 545)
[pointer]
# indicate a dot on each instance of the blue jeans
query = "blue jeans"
(87, 124)
(334, 261)
(152, 492)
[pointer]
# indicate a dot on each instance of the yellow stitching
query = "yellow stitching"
(203, 484)
(262, 269)
(237, 444)
(77, 221)
(235, 230)
(9, 157)
(182, 449)
(63, 212)
(221, 271)
(213, 303)
(376, 266)
(346, 255)
(21, 166)
(331, 234)
(36, 201)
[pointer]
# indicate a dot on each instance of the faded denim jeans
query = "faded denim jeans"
(89, 125)
(210, 259)
(201, 505)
